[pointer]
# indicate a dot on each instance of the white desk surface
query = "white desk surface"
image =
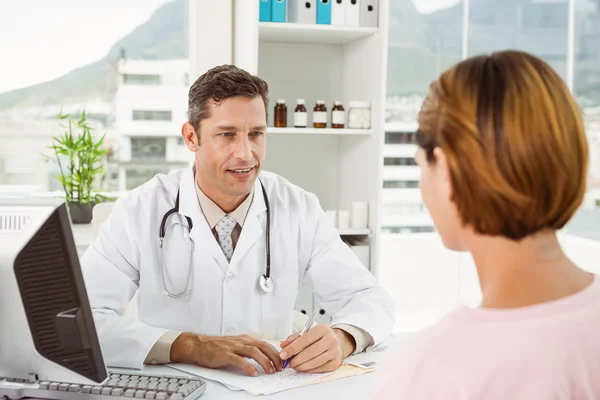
(355, 387)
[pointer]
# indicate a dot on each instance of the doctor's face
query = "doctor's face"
(231, 149)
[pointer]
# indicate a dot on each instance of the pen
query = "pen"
(303, 331)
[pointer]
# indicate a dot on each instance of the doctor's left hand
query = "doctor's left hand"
(320, 349)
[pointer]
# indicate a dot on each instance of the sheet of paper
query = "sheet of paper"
(364, 360)
(284, 380)
(262, 384)
(345, 371)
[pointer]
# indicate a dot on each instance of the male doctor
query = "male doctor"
(195, 244)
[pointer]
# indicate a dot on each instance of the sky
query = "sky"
(427, 6)
(41, 40)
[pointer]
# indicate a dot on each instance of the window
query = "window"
(136, 79)
(145, 115)
(398, 161)
(148, 149)
(400, 184)
(145, 47)
(399, 137)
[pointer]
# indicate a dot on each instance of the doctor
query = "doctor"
(217, 252)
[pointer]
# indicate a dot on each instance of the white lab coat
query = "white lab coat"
(225, 298)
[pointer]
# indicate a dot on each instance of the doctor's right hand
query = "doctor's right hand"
(225, 351)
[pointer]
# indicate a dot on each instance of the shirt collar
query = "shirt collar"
(213, 213)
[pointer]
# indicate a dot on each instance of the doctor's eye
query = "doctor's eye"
(228, 134)
(258, 133)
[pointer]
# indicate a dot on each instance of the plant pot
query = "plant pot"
(81, 213)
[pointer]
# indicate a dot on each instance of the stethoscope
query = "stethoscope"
(265, 281)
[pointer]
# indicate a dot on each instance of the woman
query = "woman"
(503, 158)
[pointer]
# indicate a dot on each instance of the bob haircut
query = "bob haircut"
(514, 140)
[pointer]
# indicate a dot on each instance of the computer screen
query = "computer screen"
(47, 331)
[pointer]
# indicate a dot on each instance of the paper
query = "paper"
(284, 380)
(345, 371)
(364, 360)
(263, 384)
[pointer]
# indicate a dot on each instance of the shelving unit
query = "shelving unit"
(317, 131)
(312, 62)
(302, 33)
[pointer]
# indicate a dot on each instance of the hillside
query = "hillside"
(161, 37)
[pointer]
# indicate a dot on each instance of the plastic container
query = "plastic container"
(359, 115)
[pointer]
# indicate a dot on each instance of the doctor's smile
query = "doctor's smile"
(215, 255)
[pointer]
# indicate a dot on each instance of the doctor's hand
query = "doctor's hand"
(225, 351)
(320, 349)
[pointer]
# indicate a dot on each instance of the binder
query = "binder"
(369, 12)
(353, 12)
(278, 10)
(338, 12)
(264, 11)
(324, 12)
(302, 11)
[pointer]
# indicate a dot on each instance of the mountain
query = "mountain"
(161, 37)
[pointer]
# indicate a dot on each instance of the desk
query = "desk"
(355, 387)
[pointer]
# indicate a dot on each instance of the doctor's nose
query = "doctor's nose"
(243, 149)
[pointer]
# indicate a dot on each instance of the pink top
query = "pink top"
(546, 351)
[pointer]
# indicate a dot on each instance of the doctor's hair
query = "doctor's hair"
(221, 83)
(514, 141)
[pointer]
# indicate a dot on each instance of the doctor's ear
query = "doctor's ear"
(191, 139)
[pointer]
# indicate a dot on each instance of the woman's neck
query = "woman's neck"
(531, 271)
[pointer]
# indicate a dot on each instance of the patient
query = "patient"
(503, 158)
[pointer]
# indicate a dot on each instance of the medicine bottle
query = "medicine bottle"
(300, 114)
(320, 115)
(338, 115)
(280, 114)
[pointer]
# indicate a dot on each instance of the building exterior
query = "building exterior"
(150, 108)
(403, 208)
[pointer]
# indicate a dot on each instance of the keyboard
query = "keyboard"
(117, 385)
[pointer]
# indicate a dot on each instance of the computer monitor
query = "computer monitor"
(47, 331)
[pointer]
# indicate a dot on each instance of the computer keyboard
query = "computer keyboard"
(117, 385)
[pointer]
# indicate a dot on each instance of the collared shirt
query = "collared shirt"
(161, 351)
(213, 213)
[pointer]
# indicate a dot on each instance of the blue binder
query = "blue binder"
(264, 11)
(278, 10)
(324, 12)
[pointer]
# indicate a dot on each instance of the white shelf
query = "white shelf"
(354, 232)
(311, 33)
(319, 131)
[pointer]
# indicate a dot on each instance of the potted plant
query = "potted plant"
(80, 159)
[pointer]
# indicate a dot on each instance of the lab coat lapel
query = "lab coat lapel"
(253, 225)
(201, 234)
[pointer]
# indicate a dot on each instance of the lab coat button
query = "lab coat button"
(230, 331)
(230, 276)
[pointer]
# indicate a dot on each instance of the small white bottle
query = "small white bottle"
(300, 114)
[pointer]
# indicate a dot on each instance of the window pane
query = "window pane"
(586, 88)
(400, 184)
(538, 27)
(133, 79)
(139, 64)
(145, 115)
(399, 161)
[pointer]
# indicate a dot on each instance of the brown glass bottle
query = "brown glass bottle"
(300, 114)
(320, 115)
(338, 115)
(280, 114)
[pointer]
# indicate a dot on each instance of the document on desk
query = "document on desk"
(234, 378)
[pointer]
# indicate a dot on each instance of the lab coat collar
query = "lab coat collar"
(251, 231)
(188, 200)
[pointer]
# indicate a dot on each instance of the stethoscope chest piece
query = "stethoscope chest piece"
(266, 283)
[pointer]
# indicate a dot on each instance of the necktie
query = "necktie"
(224, 228)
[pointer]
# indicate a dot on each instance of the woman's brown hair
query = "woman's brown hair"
(514, 140)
